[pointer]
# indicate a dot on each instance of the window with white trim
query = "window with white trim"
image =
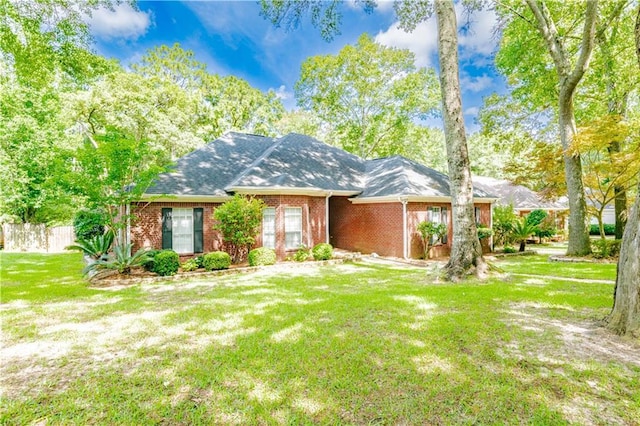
(292, 228)
(269, 227)
(182, 224)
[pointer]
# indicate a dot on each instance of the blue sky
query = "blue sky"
(233, 39)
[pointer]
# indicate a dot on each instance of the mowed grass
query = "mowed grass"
(349, 344)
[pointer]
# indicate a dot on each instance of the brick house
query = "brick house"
(314, 192)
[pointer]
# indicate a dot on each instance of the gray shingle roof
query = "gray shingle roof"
(521, 197)
(299, 161)
(208, 170)
(241, 162)
(399, 176)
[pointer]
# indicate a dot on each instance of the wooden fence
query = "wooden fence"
(29, 237)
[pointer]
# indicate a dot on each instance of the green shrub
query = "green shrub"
(149, 263)
(322, 251)
(262, 256)
(608, 229)
(88, 224)
(239, 220)
(216, 260)
(189, 265)
(120, 260)
(302, 254)
(95, 247)
(503, 220)
(484, 232)
(166, 262)
(199, 261)
(509, 249)
(602, 249)
(536, 217)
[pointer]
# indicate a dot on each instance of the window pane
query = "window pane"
(182, 222)
(292, 227)
(445, 220)
(269, 227)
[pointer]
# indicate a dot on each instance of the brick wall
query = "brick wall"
(146, 229)
(416, 213)
(367, 228)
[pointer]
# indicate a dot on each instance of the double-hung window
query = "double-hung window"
(292, 227)
(439, 215)
(182, 230)
(269, 227)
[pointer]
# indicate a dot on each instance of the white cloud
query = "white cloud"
(123, 22)
(282, 93)
(476, 84)
(472, 111)
(478, 35)
(423, 41)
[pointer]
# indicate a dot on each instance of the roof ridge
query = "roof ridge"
(261, 157)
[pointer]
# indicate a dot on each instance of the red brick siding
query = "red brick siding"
(367, 228)
(146, 230)
(416, 213)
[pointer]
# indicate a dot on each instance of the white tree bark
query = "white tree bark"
(466, 251)
(568, 80)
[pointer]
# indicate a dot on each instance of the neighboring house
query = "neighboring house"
(314, 192)
(523, 200)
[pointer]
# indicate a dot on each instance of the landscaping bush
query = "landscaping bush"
(216, 260)
(302, 254)
(322, 251)
(536, 217)
(239, 220)
(602, 249)
(189, 265)
(262, 256)
(88, 224)
(484, 232)
(166, 262)
(148, 264)
(608, 229)
(509, 249)
(199, 261)
(120, 260)
(95, 247)
(503, 220)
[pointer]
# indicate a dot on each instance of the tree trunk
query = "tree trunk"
(625, 316)
(620, 204)
(466, 252)
(523, 244)
(569, 75)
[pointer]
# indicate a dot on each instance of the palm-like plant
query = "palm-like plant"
(521, 230)
(120, 260)
(96, 247)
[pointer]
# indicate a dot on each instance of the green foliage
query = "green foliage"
(95, 247)
(608, 229)
(509, 249)
(149, 263)
(216, 260)
(199, 260)
(546, 228)
(536, 217)
(120, 260)
(262, 256)
(303, 253)
(166, 262)
(429, 233)
(484, 232)
(602, 248)
(503, 220)
(368, 95)
(239, 220)
(88, 223)
(322, 251)
(189, 265)
(521, 231)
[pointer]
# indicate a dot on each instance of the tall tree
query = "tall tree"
(625, 315)
(368, 94)
(569, 75)
(466, 251)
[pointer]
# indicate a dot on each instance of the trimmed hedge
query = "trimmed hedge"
(262, 256)
(608, 229)
(216, 260)
(322, 251)
(166, 262)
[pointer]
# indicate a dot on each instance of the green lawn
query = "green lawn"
(349, 344)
